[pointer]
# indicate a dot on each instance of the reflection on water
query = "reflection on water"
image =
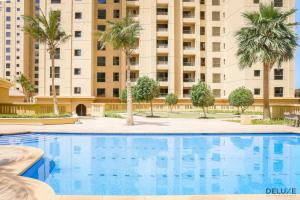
(164, 165)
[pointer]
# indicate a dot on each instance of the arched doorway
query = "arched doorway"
(81, 110)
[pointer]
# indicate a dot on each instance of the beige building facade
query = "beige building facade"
(181, 42)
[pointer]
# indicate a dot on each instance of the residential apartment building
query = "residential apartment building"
(181, 42)
(15, 46)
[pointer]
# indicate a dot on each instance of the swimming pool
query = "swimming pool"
(86, 164)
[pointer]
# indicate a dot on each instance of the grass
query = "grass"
(267, 122)
(186, 115)
(46, 115)
(113, 114)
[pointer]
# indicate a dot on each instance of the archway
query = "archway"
(81, 110)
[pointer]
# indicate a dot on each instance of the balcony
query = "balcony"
(188, 14)
(133, 3)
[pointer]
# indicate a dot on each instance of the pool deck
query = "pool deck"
(150, 125)
(14, 160)
(23, 188)
(199, 197)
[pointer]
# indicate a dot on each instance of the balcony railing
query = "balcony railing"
(162, 45)
(188, 47)
(188, 80)
(162, 62)
(160, 29)
(188, 64)
(188, 15)
(162, 13)
(162, 79)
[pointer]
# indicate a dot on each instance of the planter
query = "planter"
(246, 120)
(38, 121)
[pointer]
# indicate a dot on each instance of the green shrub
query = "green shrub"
(46, 115)
(202, 96)
(171, 100)
(241, 98)
(146, 90)
(111, 114)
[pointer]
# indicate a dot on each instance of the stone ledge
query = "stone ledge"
(37, 121)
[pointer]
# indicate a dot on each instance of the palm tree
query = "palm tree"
(27, 87)
(123, 35)
(49, 32)
(269, 39)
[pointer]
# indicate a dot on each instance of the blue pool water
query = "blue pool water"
(164, 165)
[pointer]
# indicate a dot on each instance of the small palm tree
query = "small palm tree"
(49, 32)
(268, 39)
(123, 35)
(27, 87)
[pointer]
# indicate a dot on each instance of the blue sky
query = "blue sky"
(297, 74)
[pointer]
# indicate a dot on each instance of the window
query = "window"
(202, 46)
(77, 52)
(57, 53)
(101, 61)
(77, 90)
(100, 92)
(216, 16)
(57, 89)
(77, 71)
(217, 93)
(116, 1)
(202, 77)
(256, 1)
(216, 46)
(216, 78)
(202, 30)
(100, 46)
(216, 31)
(116, 61)
(256, 91)
(78, 15)
(162, 59)
(100, 77)
(101, 27)
(116, 92)
(102, 1)
(116, 14)
(278, 74)
(256, 73)
(55, 1)
(278, 3)
(77, 34)
(116, 77)
(202, 1)
(278, 91)
(56, 72)
(202, 61)
(101, 14)
(202, 15)
(216, 62)
(215, 2)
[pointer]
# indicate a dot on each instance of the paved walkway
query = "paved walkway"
(150, 125)
(14, 160)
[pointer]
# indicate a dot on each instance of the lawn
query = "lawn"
(267, 122)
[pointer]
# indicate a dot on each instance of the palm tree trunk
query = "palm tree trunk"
(129, 94)
(55, 103)
(151, 106)
(266, 108)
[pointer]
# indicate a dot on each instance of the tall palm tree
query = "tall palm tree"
(49, 32)
(268, 38)
(123, 35)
